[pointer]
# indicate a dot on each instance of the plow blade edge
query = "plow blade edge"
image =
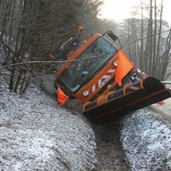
(152, 91)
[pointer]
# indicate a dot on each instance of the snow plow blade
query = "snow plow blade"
(111, 107)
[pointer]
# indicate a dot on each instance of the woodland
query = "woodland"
(31, 30)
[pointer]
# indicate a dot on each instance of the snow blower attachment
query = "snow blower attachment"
(106, 81)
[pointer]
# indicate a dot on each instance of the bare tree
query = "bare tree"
(30, 30)
(149, 39)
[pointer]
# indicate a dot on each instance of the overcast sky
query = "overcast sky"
(120, 9)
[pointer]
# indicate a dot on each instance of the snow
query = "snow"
(38, 134)
(146, 141)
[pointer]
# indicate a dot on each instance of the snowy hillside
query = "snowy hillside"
(37, 134)
(146, 142)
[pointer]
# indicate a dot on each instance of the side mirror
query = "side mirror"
(112, 35)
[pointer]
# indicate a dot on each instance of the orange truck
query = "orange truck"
(102, 76)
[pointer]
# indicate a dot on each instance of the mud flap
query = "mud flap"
(152, 92)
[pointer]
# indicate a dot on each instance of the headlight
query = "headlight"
(115, 63)
(85, 93)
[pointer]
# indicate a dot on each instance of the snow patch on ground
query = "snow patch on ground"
(146, 141)
(38, 134)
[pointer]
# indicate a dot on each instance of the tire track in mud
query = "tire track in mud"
(110, 155)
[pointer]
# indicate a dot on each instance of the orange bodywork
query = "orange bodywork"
(89, 86)
(106, 81)
(108, 72)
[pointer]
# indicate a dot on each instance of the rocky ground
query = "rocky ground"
(38, 134)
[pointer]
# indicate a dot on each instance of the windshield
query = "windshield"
(87, 64)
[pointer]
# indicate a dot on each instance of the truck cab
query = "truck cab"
(102, 76)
